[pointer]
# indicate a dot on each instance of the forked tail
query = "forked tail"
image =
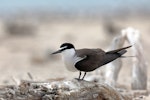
(120, 51)
(114, 54)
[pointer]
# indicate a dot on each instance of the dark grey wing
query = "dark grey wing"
(92, 58)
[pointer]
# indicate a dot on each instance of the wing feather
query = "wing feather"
(91, 60)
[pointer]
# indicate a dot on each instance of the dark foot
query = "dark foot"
(78, 79)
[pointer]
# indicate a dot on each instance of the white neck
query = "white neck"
(70, 59)
(68, 53)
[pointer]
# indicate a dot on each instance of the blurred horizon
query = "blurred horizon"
(78, 6)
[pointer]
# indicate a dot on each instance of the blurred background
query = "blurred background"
(31, 29)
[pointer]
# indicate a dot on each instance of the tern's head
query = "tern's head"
(65, 47)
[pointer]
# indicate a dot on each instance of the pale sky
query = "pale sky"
(68, 5)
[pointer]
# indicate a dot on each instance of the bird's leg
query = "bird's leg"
(84, 76)
(79, 75)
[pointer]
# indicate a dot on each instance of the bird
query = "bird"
(87, 60)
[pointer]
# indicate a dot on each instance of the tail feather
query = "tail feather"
(114, 54)
(120, 51)
(127, 56)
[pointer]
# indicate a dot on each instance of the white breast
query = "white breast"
(70, 59)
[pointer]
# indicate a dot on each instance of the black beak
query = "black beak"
(59, 51)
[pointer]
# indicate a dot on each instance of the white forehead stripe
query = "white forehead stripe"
(64, 47)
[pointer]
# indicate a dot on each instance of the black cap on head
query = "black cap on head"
(63, 47)
(67, 45)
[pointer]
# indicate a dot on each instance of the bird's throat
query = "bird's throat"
(69, 57)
